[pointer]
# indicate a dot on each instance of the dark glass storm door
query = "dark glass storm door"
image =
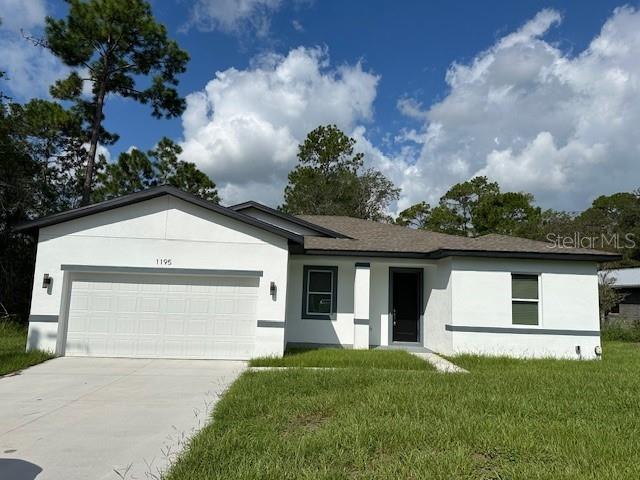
(405, 301)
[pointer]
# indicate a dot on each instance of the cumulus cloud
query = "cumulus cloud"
(244, 128)
(233, 16)
(17, 14)
(30, 70)
(535, 118)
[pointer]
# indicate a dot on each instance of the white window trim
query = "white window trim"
(317, 315)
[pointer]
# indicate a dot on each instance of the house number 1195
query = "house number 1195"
(163, 261)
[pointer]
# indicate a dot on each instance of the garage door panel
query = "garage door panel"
(174, 326)
(149, 325)
(150, 304)
(197, 326)
(162, 316)
(199, 305)
(178, 288)
(223, 327)
(177, 305)
(124, 345)
(80, 301)
(146, 347)
(153, 287)
(101, 303)
(126, 325)
(224, 305)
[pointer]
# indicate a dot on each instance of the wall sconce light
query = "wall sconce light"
(47, 281)
(273, 290)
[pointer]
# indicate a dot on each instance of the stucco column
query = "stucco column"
(361, 289)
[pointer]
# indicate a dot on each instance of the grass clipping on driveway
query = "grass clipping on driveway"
(507, 419)
(13, 357)
(342, 358)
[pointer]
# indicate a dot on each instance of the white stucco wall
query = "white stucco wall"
(481, 297)
(361, 296)
(340, 330)
(438, 307)
(162, 228)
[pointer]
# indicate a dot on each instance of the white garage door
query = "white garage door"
(162, 316)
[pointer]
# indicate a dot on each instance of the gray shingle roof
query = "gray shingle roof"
(368, 236)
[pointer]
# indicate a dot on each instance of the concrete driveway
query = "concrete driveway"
(85, 418)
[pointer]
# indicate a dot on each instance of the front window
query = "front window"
(319, 292)
(524, 299)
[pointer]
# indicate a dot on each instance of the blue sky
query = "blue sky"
(389, 61)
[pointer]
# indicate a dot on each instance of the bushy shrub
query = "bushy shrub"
(621, 331)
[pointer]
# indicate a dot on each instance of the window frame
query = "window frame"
(537, 301)
(306, 273)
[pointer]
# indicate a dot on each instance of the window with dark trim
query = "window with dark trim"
(524, 299)
(319, 292)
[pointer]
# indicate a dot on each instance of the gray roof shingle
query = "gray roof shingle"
(369, 236)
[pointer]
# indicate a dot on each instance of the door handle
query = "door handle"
(394, 316)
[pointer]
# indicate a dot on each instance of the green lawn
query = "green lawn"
(341, 358)
(507, 419)
(12, 349)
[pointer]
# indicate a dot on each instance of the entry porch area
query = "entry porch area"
(377, 303)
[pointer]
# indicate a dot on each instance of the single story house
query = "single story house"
(162, 273)
(626, 281)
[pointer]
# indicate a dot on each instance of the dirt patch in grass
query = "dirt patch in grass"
(306, 422)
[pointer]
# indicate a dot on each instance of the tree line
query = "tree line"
(50, 160)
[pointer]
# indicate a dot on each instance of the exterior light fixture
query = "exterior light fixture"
(47, 281)
(273, 290)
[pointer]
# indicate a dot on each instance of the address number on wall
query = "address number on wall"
(163, 261)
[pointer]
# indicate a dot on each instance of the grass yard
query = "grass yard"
(342, 358)
(507, 419)
(13, 339)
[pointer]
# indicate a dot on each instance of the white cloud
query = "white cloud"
(233, 16)
(244, 128)
(535, 118)
(30, 69)
(17, 14)
(411, 108)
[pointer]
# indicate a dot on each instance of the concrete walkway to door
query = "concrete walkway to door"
(85, 418)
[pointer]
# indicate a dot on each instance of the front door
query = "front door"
(405, 301)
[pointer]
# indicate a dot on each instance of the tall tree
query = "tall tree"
(132, 172)
(416, 216)
(456, 210)
(179, 173)
(54, 139)
(476, 207)
(614, 221)
(136, 170)
(18, 193)
(115, 45)
(329, 180)
(508, 213)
